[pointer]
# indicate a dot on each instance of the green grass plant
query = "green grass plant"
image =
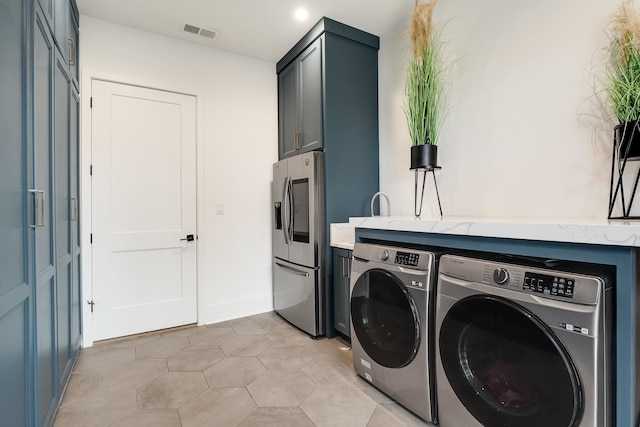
(424, 89)
(623, 71)
(424, 84)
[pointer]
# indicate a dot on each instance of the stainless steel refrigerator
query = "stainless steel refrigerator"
(298, 237)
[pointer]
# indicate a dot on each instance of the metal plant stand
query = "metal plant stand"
(418, 208)
(618, 166)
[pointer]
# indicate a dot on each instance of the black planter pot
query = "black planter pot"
(424, 156)
(631, 133)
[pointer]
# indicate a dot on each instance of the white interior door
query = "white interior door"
(143, 208)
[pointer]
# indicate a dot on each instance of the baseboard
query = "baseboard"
(235, 309)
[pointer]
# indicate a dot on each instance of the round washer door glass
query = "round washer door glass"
(385, 318)
(507, 367)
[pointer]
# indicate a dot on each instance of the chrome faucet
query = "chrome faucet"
(379, 193)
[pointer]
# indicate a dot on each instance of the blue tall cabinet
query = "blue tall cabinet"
(40, 323)
(328, 100)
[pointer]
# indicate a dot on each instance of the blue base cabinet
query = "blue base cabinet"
(40, 319)
(341, 291)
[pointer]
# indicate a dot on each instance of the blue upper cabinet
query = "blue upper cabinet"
(332, 73)
(65, 31)
(300, 103)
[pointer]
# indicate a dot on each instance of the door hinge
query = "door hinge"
(91, 102)
(91, 304)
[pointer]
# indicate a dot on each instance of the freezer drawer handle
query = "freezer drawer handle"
(293, 270)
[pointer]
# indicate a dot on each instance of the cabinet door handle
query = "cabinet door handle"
(74, 209)
(72, 53)
(38, 208)
(346, 267)
(295, 141)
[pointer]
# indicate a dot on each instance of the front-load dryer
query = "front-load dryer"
(392, 302)
(522, 346)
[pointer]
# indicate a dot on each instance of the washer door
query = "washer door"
(385, 318)
(507, 367)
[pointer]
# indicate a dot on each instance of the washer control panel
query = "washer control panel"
(548, 284)
(407, 258)
(391, 256)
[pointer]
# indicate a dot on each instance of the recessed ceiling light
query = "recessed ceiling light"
(301, 14)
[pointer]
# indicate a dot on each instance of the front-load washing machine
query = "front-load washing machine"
(524, 346)
(392, 302)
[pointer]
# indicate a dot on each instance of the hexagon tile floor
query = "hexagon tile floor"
(253, 371)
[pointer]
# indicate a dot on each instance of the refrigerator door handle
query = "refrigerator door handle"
(293, 270)
(285, 200)
(291, 217)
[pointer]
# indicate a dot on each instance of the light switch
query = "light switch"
(219, 208)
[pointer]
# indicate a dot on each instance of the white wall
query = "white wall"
(524, 136)
(237, 143)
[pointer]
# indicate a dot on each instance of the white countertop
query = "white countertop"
(342, 235)
(589, 231)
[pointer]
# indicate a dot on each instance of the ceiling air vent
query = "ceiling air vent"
(192, 29)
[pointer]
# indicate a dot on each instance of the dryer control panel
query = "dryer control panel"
(548, 284)
(560, 285)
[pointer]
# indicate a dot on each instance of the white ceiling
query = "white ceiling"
(264, 29)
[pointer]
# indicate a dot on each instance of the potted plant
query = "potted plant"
(423, 88)
(623, 78)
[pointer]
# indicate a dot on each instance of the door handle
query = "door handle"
(38, 208)
(72, 53)
(291, 216)
(345, 267)
(189, 238)
(74, 209)
(285, 205)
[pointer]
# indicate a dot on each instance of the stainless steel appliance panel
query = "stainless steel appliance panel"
(392, 305)
(297, 298)
(512, 349)
(298, 208)
(279, 198)
(298, 230)
(306, 208)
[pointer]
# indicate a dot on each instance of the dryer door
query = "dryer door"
(385, 318)
(507, 367)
